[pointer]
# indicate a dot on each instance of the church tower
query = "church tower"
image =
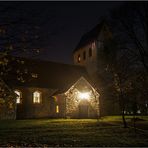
(88, 53)
(90, 45)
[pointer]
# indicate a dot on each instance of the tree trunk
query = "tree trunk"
(134, 119)
(123, 119)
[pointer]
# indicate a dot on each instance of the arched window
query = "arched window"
(37, 97)
(19, 96)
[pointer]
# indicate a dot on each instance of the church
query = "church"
(48, 89)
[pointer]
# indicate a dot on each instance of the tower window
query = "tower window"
(79, 59)
(84, 55)
(90, 52)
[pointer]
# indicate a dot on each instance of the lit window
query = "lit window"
(57, 108)
(34, 75)
(36, 97)
(79, 59)
(19, 95)
(90, 52)
(84, 55)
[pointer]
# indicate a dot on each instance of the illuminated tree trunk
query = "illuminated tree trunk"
(123, 119)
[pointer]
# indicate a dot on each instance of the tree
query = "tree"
(131, 29)
(115, 73)
(21, 34)
(129, 24)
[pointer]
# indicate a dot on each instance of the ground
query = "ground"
(71, 132)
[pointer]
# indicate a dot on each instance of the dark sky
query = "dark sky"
(68, 21)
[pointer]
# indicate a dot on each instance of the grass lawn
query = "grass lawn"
(141, 123)
(68, 132)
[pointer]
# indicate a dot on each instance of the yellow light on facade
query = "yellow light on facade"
(84, 95)
(57, 108)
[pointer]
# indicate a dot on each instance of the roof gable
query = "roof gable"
(84, 84)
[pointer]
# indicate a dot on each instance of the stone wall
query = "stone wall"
(73, 100)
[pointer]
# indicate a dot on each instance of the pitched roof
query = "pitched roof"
(49, 74)
(90, 36)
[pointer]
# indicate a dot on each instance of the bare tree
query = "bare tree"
(130, 24)
(115, 67)
(22, 33)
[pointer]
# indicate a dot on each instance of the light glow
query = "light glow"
(57, 108)
(84, 95)
(18, 98)
(36, 97)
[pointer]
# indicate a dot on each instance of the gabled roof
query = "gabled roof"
(90, 36)
(49, 74)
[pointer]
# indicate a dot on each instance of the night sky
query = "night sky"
(68, 21)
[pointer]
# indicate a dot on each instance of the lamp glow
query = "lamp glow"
(84, 95)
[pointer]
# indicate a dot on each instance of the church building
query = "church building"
(52, 90)
(47, 89)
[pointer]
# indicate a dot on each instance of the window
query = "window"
(19, 95)
(34, 75)
(84, 55)
(55, 98)
(90, 52)
(79, 59)
(36, 97)
(93, 45)
(57, 108)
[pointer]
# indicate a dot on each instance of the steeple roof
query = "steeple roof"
(90, 36)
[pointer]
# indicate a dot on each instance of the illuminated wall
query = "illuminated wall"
(73, 100)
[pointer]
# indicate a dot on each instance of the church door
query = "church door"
(83, 109)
